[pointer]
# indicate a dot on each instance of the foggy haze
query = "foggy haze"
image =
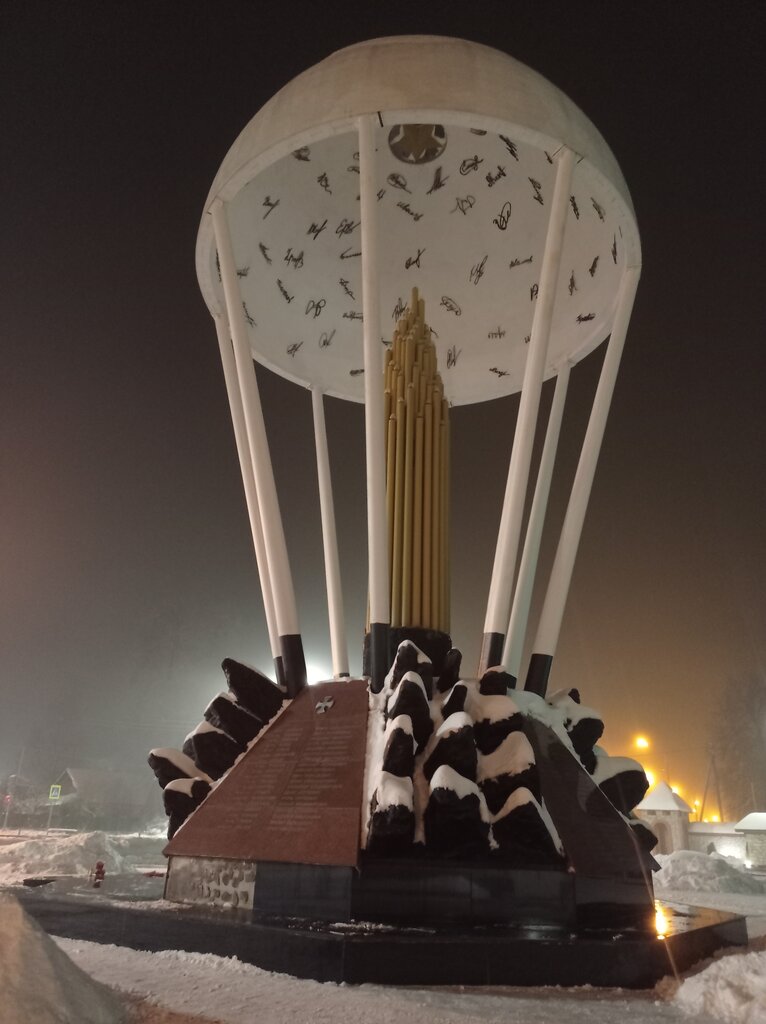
(127, 564)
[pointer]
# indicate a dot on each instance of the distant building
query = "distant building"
(105, 799)
(753, 828)
(667, 815)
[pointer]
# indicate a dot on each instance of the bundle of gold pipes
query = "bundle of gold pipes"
(417, 476)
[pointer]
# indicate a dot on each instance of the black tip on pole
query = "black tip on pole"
(539, 671)
(491, 651)
(293, 663)
(380, 656)
(279, 672)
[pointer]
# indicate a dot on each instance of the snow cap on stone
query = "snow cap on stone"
(393, 791)
(514, 755)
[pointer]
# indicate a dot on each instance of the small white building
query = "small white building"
(667, 815)
(753, 827)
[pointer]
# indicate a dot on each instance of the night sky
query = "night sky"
(125, 554)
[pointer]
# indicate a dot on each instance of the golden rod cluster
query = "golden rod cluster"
(417, 476)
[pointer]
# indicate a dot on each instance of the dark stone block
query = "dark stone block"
(584, 736)
(597, 840)
(496, 681)
(399, 755)
(454, 826)
(409, 699)
(455, 700)
(647, 840)
(450, 672)
(457, 749)
(179, 803)
(391, 832)
(431, 642)
(405, 660)
(235, 721)
(496, 791)
(489, 735)
(626, 789)
(175, 821)
(426, 672)
(253, 690)
(409, 658)
(165, 770)
(213, 752)
(523, 839)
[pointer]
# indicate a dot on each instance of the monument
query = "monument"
(418, 223)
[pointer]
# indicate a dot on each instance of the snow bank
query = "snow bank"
(233, 992)
(732, 990)
(703, 872)
(76, 854)
(40, 984)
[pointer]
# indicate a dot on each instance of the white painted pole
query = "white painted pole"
(522, 598)
(338, 643)
(501, 585)
(286, 614)
(248, 480)
(377, 529)
(549, 626)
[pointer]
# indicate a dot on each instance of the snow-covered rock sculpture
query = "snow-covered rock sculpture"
(254, 691)
(232, 721)
(455, 773)
(180, 798)
(211, 749)
(224, 713)
(456, 820)
(450, 672)
(455, 747)
(169, 764)
(410, 699)
(392, 818)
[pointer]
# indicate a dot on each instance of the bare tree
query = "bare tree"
(739, 744)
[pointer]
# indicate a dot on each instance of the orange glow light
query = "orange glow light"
(660, 920)
(641, 743)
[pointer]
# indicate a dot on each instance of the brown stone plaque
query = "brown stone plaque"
(296, 794)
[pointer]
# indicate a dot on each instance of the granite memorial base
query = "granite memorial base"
(492, 955)
(421, 922)
(309, 921)
(278, 843)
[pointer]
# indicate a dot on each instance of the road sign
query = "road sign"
(55, 793)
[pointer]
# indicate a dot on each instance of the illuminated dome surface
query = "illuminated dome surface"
(466, 148)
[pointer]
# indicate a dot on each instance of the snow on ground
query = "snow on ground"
(703, 872)
(76, 854)
(731, 989)
(204, 988)
(41, 984)
(231, 992)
